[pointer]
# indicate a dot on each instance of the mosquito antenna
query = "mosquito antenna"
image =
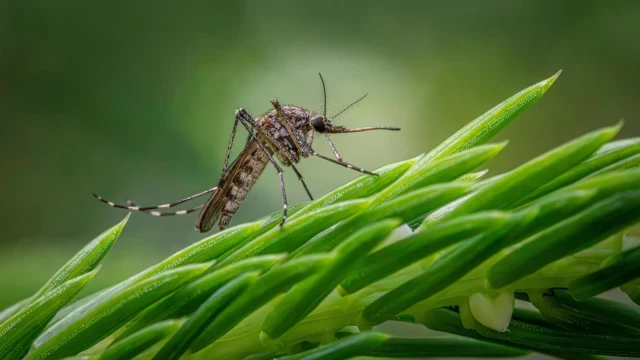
(349, 106)
(324, 96)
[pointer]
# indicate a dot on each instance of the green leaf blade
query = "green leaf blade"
(91, 323)
(345, 348)
(20, 326)
(617, 271)
(486, 126)
(447, 269)
(617, 151)
(406, 207)
(189, 297)
(557, 341)
(361, 187)
(567, 237)
(305, 296)
(437, 347)
(296, 231)
(503, 191)
(403, 253)
(86, 259)
(8, 312)
(595, 315)
(628, 163)
(207, 249)
(276, 281)
(442, 170)
(136, 343)
(206, 313)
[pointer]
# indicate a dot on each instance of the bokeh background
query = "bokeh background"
(135, 99)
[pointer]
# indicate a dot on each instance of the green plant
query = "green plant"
(558, 222)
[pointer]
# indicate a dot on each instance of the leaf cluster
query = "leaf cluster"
(428, 241)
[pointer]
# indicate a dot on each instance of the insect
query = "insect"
(284, 133)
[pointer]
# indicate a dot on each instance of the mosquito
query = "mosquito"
(285, 133)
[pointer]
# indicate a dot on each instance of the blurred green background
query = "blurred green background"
(136, 100)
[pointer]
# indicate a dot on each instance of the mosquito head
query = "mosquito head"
(323, 125)
(320, 123)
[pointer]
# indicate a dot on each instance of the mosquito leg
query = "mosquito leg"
(173, 213)
(155, 207)
(309, 139)
(301, 178)
(130, 203)
(159, 213)
(244, 118)
(333, 147)
(226, 158)
(249, 137)
(284, 198)
(345, 164)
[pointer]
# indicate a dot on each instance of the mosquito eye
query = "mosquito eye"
(318, 123)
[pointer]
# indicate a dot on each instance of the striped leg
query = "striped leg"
(342, 163)
(167, 213)
(173, 213)
(245, 117)
(148, 209)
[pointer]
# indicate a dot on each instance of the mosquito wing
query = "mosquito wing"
(210, 213)
(246, 162)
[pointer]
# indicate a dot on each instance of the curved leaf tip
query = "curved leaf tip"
(548, 82)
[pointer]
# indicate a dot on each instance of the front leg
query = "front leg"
(301, 178)
(333, 147)
(342, 163)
